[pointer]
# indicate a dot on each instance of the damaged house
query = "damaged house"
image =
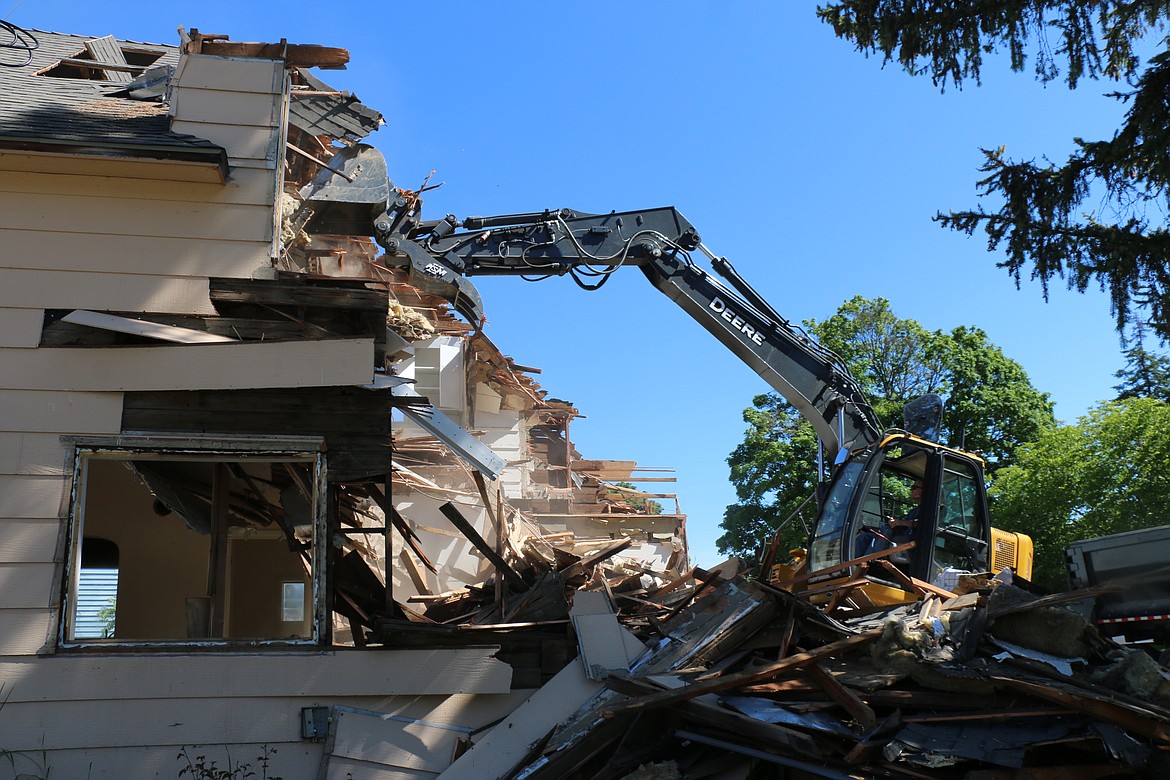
(251, 480)
(269, 508)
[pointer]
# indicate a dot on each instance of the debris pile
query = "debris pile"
(992, 682)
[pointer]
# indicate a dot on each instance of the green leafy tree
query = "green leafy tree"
(774, 473)
(1100, 216)
(1105, 474)
(991, 407)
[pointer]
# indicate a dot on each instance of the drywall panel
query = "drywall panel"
(25, 496)
(54, 412)
(26, 585)
(83, 213)
(36, 249)
(23, 632)
(28, 540)
(244, 187)
(87, 678)
(191, 366)
(21, 327)
(35, 289)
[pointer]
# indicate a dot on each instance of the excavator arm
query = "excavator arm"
(354, 196)
(591, 247)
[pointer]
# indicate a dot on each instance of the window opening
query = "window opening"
(97, 590)
(204, 547)
(959, 543)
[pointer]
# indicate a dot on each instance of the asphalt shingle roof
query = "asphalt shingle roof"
(80, 112)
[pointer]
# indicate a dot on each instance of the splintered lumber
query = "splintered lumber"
(582, 566)
(792, 662)
(860, 711)
(731, 721)
(459, 521)
(1133, 721)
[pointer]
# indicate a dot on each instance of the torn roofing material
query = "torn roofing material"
(319, 109)
(47, 106)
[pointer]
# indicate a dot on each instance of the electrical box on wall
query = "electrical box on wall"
(314, 723)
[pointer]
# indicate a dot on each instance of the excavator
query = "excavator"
(871, 469)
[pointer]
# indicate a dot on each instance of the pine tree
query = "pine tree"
(1098, 218)
(1145, 374)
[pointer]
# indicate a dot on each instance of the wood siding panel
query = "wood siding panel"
(221, 106)
(245, 187)
(83, 213)
(35, 249)
(242, 143)
(28, 540)
(23, 632)
(191, 366)
(87, 678)
(26, 289)
(21, 327)
(27, 497)
(31, 453)
(290, 761)
(216, 72)
(28, 411)
(26, 585)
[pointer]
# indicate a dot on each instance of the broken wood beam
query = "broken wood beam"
(769, 672)
(582, 566)
(849, 700)
(459, 521)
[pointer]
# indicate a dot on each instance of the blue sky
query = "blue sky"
(812, 169)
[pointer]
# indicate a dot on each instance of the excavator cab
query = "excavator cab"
(869, 508)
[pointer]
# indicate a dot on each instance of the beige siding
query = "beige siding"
(25, 411)
(22, 632)
(108, 218)
(26, 585)
(235, 103)
(190, 366)
(245, 187)
(30, 497)
(32, 453)
(102, 292)
(115, 167)
(20, 327)
(212, 676)
(28, 540)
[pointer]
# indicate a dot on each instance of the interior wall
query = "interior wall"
(161, 561)
(258, 569)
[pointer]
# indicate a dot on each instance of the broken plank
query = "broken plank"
(733, 722)
(849, 700)
(764, 674)
(459, 521)
(106, 52)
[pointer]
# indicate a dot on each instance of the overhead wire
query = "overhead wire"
(14, 38)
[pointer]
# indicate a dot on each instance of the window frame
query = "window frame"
(82, 449)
